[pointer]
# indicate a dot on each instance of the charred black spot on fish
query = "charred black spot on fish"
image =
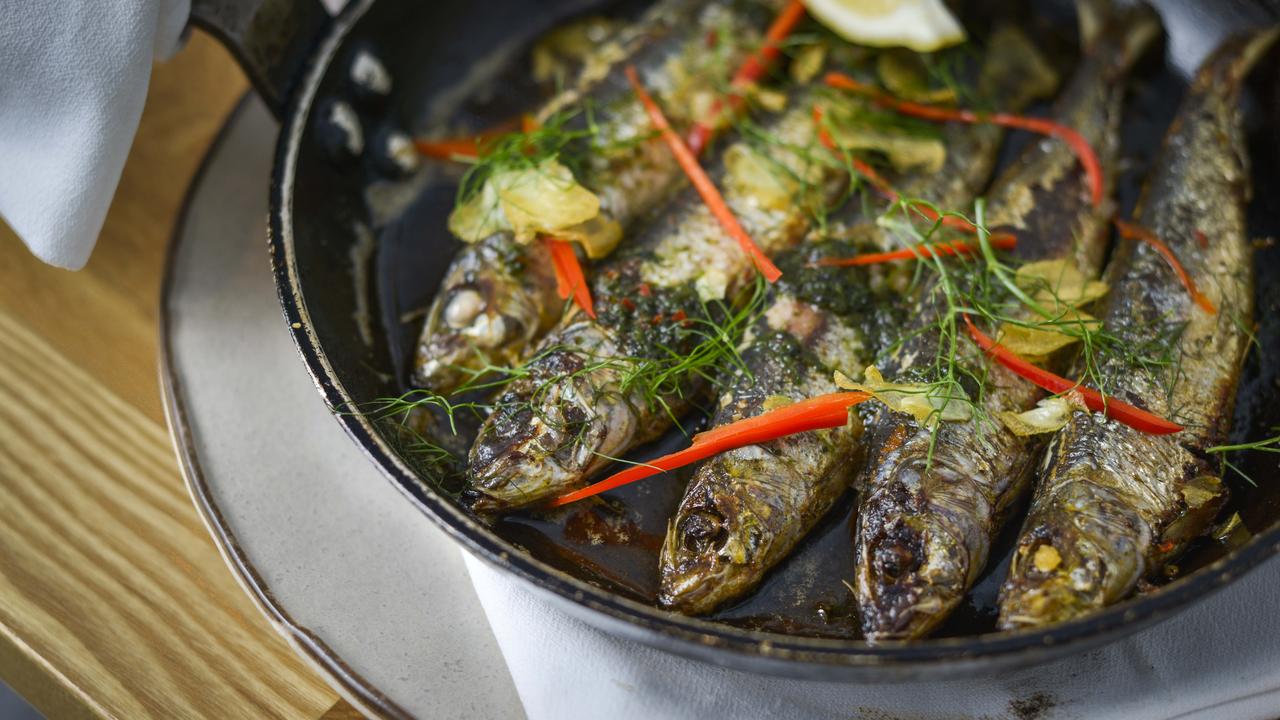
(897, 551)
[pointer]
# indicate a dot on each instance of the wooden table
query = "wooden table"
(114, 601)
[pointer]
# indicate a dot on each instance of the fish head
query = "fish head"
(922, 539)
(495, 301)
(715, 546)
(1082, 549)
(914, 574)
(1045, 587)
(547, 435)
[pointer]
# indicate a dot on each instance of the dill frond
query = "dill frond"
(1267, 445)
(555, 139)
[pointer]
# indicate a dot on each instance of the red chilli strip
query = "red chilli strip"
(570, 280)
(1122, 412)
(820, 413)
(881, 184)
(467, 149)
(809, 414)
(449, 148)
(1081, 147)
(1133, 231)
(698, 177)
(751, 70)
(1000, 242)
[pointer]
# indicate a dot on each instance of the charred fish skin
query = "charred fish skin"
(745, 510)
(499, 296)
(581, 403)
(934, 499)
(1112, 503)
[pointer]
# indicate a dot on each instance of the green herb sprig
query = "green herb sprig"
(1267, 445)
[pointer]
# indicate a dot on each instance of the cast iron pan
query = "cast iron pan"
(355, 241)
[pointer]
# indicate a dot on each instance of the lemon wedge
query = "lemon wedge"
(921, 25)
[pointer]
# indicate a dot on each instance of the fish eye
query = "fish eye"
(896, 554)
(463, 308)
(703, 530)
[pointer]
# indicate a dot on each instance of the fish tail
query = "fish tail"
(1140, 26)
(1097, 19)
(1223, 72)
(1016, 72)
(1092, 16)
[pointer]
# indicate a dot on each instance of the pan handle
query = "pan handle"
(271, 39)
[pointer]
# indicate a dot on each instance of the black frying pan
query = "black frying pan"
(317, 75)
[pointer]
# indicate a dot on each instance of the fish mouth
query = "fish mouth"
(915, 574)
(922, 534)
(441, 373)
(484, 315)
(516, 465)
(1051, 600)
(509, 465)
(697, 588)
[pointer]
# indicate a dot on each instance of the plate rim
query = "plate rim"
(350, 685)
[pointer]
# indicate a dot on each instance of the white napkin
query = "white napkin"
(1218, 659)
(73, 78)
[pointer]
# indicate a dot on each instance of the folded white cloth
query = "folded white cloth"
(1218, 659)
(73, 79)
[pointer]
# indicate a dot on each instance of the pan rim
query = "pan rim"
(693, 637)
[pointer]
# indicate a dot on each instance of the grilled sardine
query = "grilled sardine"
(931, 503)
(599, 388)
(499, 296)
(1114, 504)
(746, 509)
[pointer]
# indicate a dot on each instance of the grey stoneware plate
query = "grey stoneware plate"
(347, 571)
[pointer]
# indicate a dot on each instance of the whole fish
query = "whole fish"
(499, 296)
(596, 389)
(933, 499)
(1114, 504)
(746, 509)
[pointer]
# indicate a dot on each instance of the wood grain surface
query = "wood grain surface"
(114, 601)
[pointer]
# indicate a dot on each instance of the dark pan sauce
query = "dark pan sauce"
(613, 541)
